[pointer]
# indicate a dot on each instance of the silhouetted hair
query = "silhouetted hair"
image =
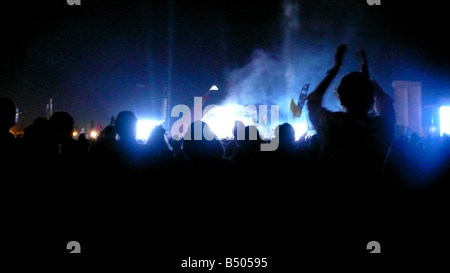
(355, 92)
(286, 133)
(126, 122)
(109, 132)
(206, 148)
(62, 124)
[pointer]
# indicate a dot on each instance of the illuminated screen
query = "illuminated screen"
(144, 128)
(444, 117)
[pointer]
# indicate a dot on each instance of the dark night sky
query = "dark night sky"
(90, 58)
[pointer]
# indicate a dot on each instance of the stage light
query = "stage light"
(74, 134)
(444, 117)
(221, 119)
(144, 128)
(214, 88)
(93, 134)
(300, 129)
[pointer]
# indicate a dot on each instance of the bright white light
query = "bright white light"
(300, 129)
(444, 117)
(144, 128)
(93, 134)
(221, 119)
(214, 88)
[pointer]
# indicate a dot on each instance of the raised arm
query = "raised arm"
(315, 98)
(383, 102)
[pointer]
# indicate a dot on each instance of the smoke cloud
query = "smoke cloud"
(304, 55)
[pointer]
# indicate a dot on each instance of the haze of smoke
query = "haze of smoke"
(305, 56)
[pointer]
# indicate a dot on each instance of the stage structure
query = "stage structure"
(408, 107)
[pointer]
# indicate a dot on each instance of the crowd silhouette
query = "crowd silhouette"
(349, 178)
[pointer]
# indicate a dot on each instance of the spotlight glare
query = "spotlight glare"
(144, 127)
(444, 118)
(300, 129)
(93, 134)
(221, 119)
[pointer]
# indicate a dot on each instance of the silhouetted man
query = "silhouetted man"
(67, 149)
(354, 143)
(353, 147)
(132, 157)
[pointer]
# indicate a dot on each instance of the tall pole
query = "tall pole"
(51, 107)
(169, 66)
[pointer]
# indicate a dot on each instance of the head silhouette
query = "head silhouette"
(107, 134)
(200, 143)
(252, 141)
(39, 131)
(126, 123)
(7, 114)
(62, 124)
(82, 137)
(286, 134)
(355, 92)
(158, 137)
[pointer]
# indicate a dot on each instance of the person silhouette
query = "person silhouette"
(38, 146)
(354, 143)
(126, 126)
(238, 133)
(288, 155)
(286, 135)
(131, 158)
(353, 148)
(105, 140)
(160, 151)
(249, 152)
(204, 149)
(8, 147)
(67, 150)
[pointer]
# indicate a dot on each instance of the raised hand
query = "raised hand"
(339, 55)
